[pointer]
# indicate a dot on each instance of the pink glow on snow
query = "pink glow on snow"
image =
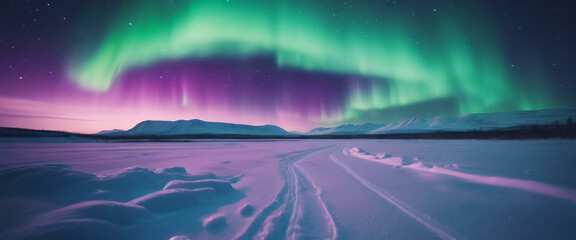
(526, 185)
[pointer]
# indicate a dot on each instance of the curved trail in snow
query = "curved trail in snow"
(298, 211)
(423, 219)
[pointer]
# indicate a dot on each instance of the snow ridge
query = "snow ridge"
(113, 206)
(484, 121)
(468, 122)
(418, 165)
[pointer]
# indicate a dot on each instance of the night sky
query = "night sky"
(87, 65)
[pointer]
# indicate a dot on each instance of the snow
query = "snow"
(70, 229)
(195, 126)
(172, 199)
(292, 189)
(122, 214)
(219, 186)
(215, 224)
(418, 165)
(46, 181)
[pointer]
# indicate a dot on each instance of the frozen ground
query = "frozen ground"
(301, 189)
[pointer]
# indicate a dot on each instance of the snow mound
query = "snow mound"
(114, 212)
(170, 200)
(383, 155)
(134, 181)
(179, 170)
(77, 205)
(46, 181)
(385, 158)
(85, 229)
(451, 165)
(358, 151)
(215, 224)
(379, 157)
(179, 237)
(221, 187)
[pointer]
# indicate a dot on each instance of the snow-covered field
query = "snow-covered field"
(298, 189)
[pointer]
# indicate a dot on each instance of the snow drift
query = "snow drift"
(418, 165)
(77, 205)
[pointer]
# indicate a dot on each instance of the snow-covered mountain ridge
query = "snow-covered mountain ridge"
(195, 126)
(468, 122)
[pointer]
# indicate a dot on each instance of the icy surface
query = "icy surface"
(301, 189)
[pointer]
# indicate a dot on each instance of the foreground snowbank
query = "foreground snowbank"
(77, 205)
(305, 189)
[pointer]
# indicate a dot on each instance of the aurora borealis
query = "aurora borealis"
(296, 64)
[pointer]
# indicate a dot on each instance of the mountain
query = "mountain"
(346, 129)
(468, 122)
(483, 121)
(190, 127)
(110, 131)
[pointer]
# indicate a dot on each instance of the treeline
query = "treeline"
(552, 130)
(22, 132)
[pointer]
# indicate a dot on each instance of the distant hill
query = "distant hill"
(468, 122)
(479, 122)
(110, 131)
(346, 129)
(22, 132)
(550, 123)
(196, 127)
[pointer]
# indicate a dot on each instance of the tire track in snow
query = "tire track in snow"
(331, 225)
(281, 219)
(425, 220)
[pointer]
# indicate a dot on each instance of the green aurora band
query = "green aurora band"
(417, 60)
